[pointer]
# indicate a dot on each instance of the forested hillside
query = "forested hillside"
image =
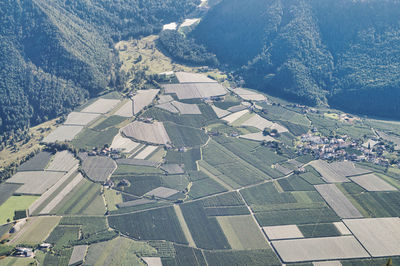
(56, 53)
(340, 52)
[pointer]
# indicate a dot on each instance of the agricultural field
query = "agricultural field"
(89, 138)
(101, 106)
(125, 144)
(151, 133)
(242, 232)
(99, 168)
(126, 110)
(155, 224)
(186, 77)
(63, 133)
(142, 99)
(119, 251)
(6, 191)
(249, 95)
(111, 121)
(338, 201)
(14, 203)
(34, 182)
(36, 163)
(62, 161)
(36, 230)
(80, 119)
(341, 247)
(182, 136)
(195, 90)
(242, 257)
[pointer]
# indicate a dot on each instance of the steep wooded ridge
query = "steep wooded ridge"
(55, 53)
(341, 52)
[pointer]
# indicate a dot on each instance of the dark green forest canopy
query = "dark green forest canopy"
(340, 52)
(55, 54)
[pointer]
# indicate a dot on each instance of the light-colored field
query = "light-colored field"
(136, 162)
(328, 248)
(283, 169)
(371, 182)
(258, 122)
(165, 99)
(143, 98)
(283, 232)
(152, 133)
(327, 173)
(146, 152)
(237, 108)
(341, 227)
(189, 22)
(14, 203)
(121, 143)
(67, 189)
(170, 26)
(235, 116)
(257, 137)
(184, 226)
(35, 182)
(78, 255)
(249, 95)
(80, 119)
(338, 201)
(36, 230)
(186, 77)
(101, 106)
(220, 112)
(242, 232)
(380, 236)
(99, 168)
(126, 110)
(162, 192)
(168, 107)
(51, 190)
(113, 198)
(63, 133)
(195, 90)
(119, 251)
(186, 109)
(63, 161)
(153, 261)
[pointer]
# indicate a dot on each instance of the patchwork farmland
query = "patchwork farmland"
(194, 172)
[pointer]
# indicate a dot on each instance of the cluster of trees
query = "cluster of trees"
(55, 54)
(315, 52)
(184, 49)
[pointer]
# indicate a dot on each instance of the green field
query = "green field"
(205, 231)
(295, 183)
(205, 187)
(60, 257)
(119, 251)
(225, 200)
(112, 198)
(155, 224)
(319, 230)
(111, 121)
(185, 256)
(183, 136)
(242, 232)
(14, 261)
(63, 236)
(187, 158)
(89, 138)
(242, 257)
(125, 169)
(36, 230)
(14, 203)
(85, 198)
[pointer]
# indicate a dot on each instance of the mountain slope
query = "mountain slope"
(340, 52)
(56, 53)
